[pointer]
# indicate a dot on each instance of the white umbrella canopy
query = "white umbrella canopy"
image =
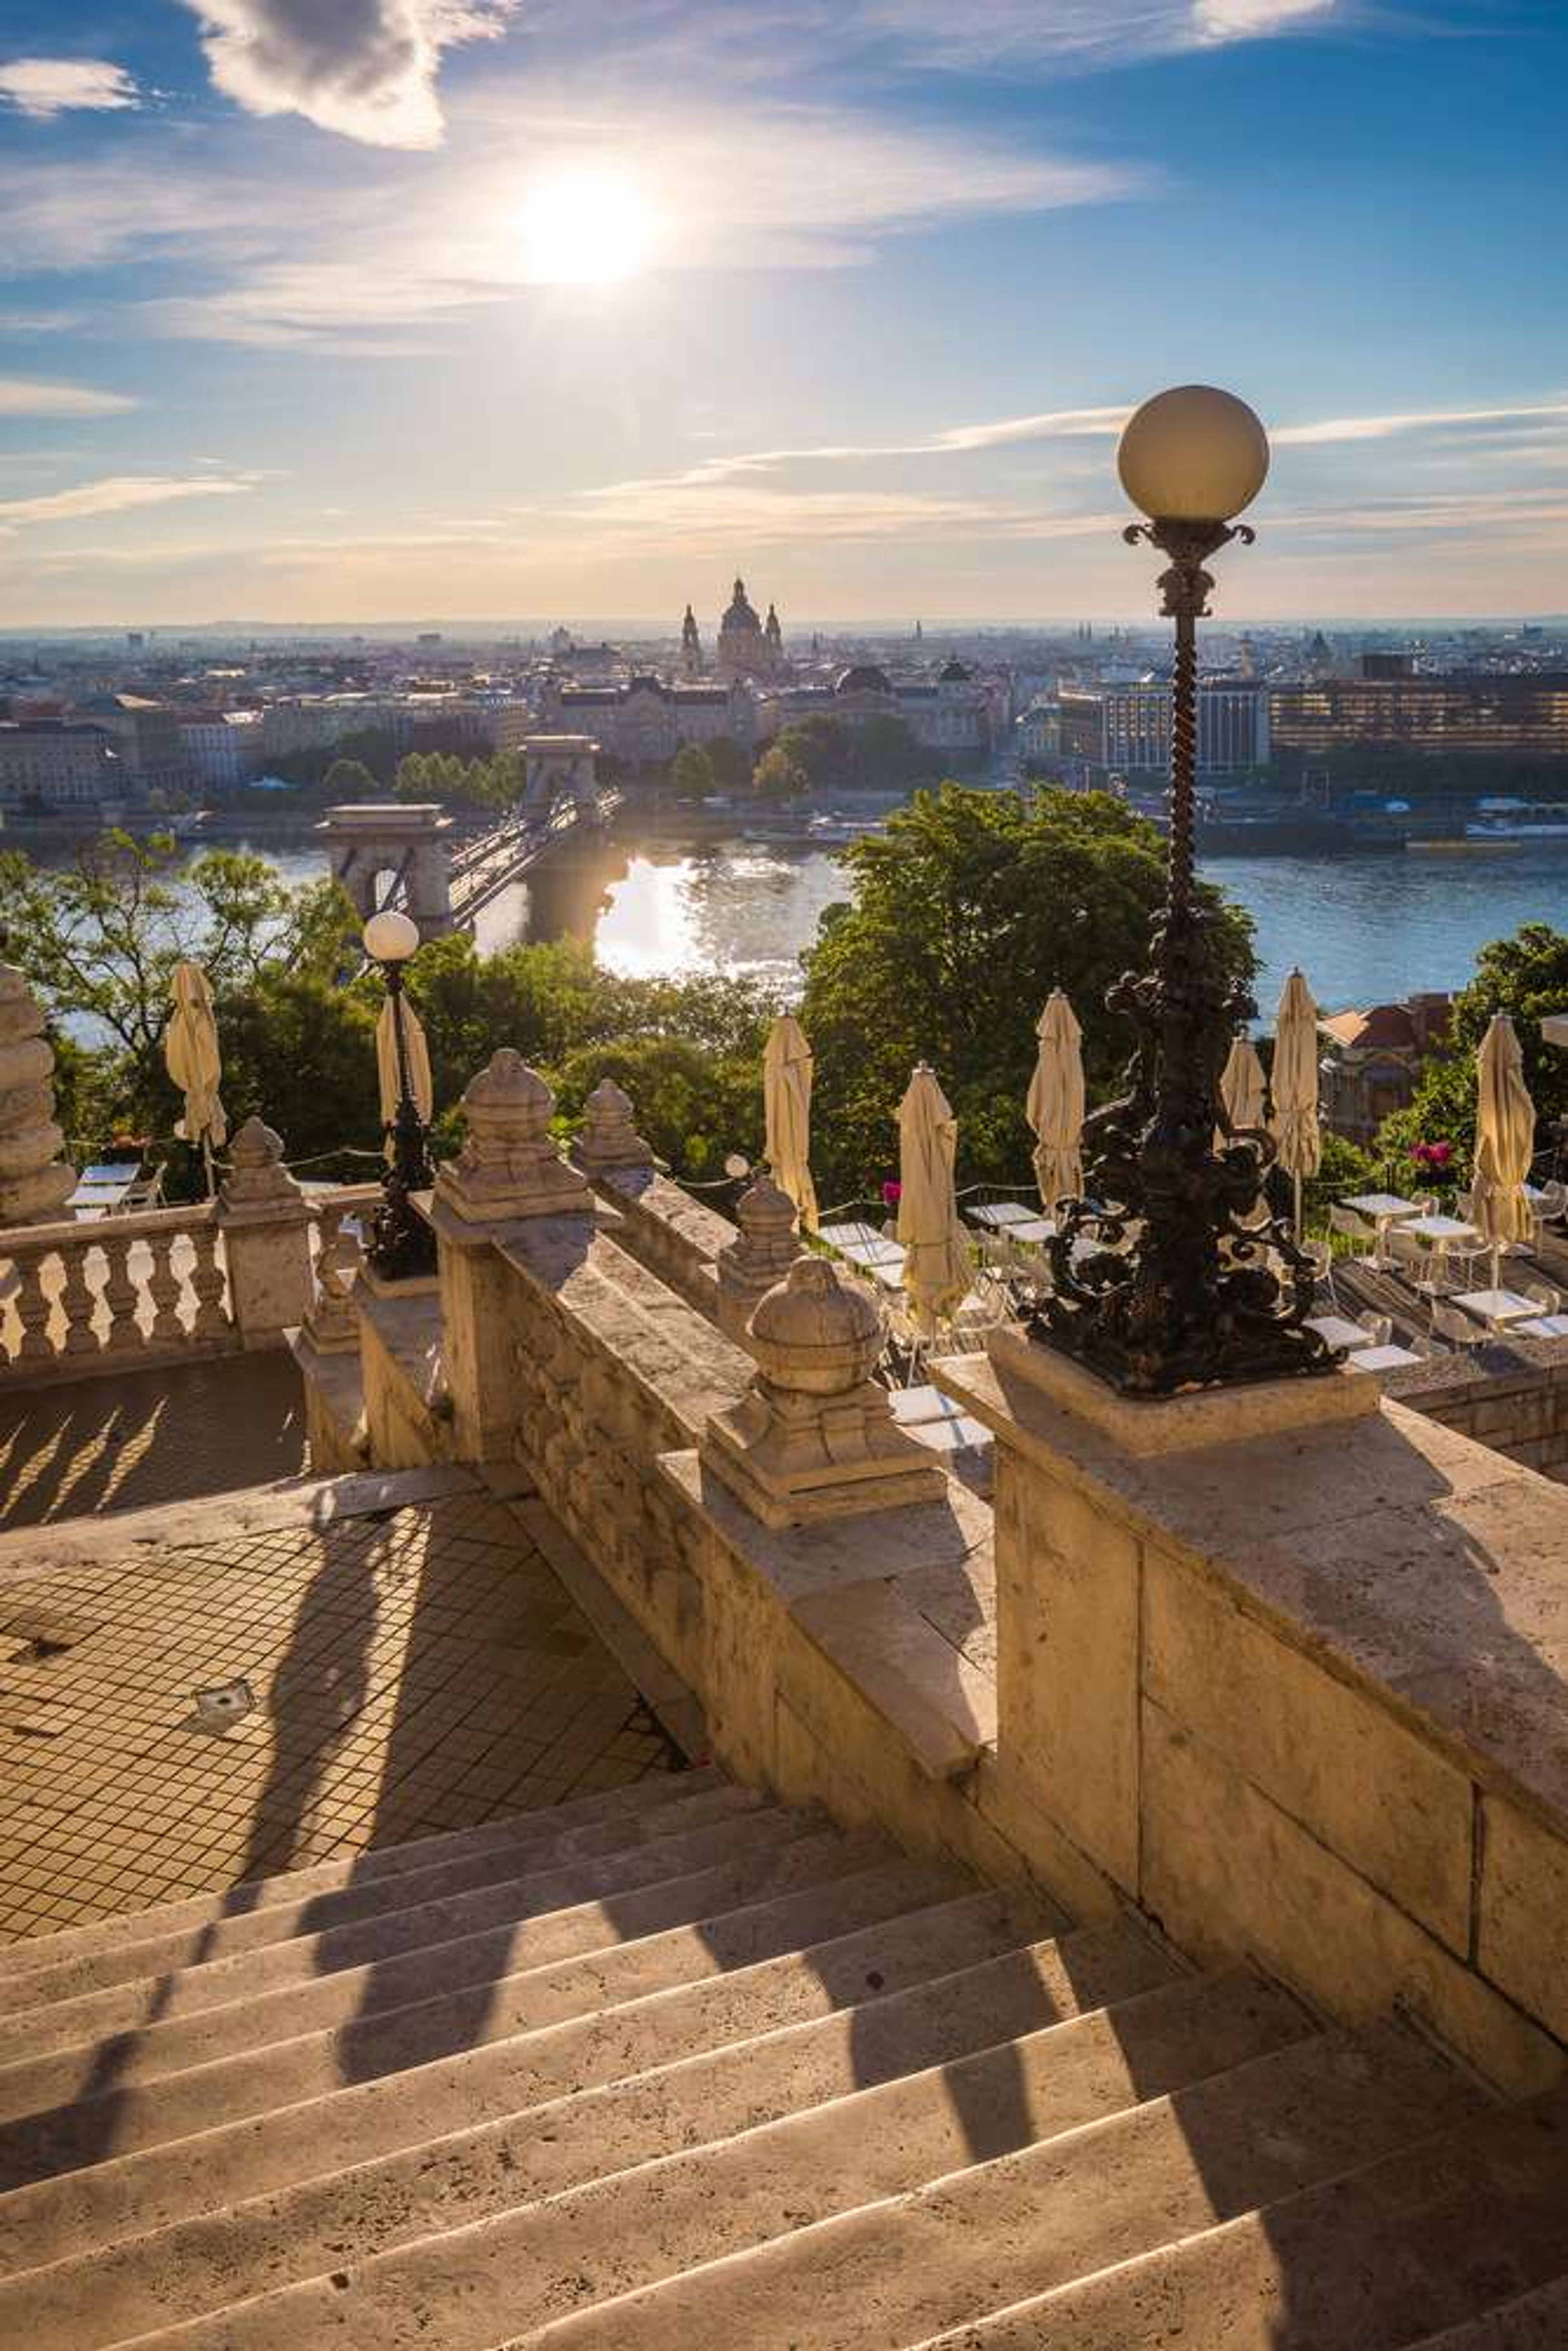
(786, 1067)
(417, 1054)
(1241, 1084)
(1505, 1140)
(937, 1258)
(1056, 1102)
(192, 1060)
(1297, 1133)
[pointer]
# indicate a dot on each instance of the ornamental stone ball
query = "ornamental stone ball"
(609, 1138)
(814, 1334)
(1193, 454)
(761, 1254)
(510, 1164)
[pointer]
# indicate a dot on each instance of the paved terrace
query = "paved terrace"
(415, 1667)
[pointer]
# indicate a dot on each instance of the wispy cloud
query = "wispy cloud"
(364, 69)
(1419, 420)
(44, 87)
(998, 36)
(116, 494)
(19, 396)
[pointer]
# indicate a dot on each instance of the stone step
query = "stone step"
(887, 2275)
(1166, 2027)
(827, 1878)
(399, 1956)
(210, 1926)
(1534, 2322)
(1455, 2232)
(879, 1943)
(470, 2284)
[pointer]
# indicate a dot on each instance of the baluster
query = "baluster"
(209, 1285)
(122, 1296)
(165, 1289)
(331, 1325)
(78, 1302)
(34, 1309)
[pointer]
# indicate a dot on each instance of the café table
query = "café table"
(1003, 1212)
(1380, 1359)
(1339, 1333)
(1497, 1308)
(1442, 1232)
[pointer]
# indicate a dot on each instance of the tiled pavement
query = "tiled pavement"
(132, 1438)
(419, 1670)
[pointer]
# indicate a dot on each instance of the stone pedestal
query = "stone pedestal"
(264, 1220)
(34, 1181)
(609, 1138)
(767, 1246)
(510, 1165)
(814, 1436)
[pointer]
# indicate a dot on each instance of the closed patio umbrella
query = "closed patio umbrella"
(417, 1054)
(936, 1256)
(192, 1058)
(1297, 1133)
(1505, 1141)
(1241, 1085)
(1055, 1105)
(787, 1066)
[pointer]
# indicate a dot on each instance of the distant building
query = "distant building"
(1389, 703)
(691, 646)
(1039, 731)
(645, 721)
(146, 735)
(222, 748)
(1125, 729)
(49, 764)
(1373, 1059)
(748, 647)
(955, 712)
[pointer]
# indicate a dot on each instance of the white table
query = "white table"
(841, 1236)
(1382, 1207)
(1442, 1232)
(1341, 1336)
(917, 1408)
(1497, 1308)
(1380, 1359)
(1003, 1212)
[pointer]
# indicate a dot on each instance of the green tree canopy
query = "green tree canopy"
(779, 774)
(692, 776)
(969, 910)
(1527, 977)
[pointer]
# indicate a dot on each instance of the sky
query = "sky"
(445, 310)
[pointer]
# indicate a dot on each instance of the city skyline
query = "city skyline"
(446, 312)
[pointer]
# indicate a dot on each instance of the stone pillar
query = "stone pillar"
(814, 1436)
(609, 1137)
(35, 1180)
(511, 1167)
(266, 1226)
(767, 1246)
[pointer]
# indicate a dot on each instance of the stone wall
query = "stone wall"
(1299, 1694)
(1522, 1414)
(669, 1232)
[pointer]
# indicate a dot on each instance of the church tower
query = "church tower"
(691, 645)
(773, 636)
(742, 649)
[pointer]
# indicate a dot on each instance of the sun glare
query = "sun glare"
(583, 225)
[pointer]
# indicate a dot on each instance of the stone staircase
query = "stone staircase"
(675, 2067)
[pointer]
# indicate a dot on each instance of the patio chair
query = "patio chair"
(1551, 1322)
(1379, 1329)
(1350, 1226)
(1454, 1327)
(1552, 1206)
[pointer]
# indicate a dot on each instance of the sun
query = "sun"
(584, 224)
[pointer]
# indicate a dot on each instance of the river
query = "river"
(1365, 929)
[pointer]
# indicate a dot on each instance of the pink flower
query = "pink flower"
(891, 1193)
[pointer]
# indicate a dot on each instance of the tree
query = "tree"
(695, 1106)
(780, 774)
(349, 781)
(692, 776)
(730, 762)
(968, 911)
(1527, 977)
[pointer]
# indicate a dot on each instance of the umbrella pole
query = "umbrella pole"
(207, 1163)
(1296, 1181)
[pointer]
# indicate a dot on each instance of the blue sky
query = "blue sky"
(364, 309)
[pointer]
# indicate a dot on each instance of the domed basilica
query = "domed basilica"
(748, 647)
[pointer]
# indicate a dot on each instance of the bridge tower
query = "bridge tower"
(560, 767)
(368, 841)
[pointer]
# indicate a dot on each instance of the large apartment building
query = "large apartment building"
(1125, 729)
(48, 763)
(1390, 702)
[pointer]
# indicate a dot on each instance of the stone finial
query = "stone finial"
(510, 1164)
(760, 1256)
(258, 1182)
(35, 1180)
(610, 1137)
(814, 1436)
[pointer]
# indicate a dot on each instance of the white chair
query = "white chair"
(1551, 1322)
(1352, 1227)
(1454, 1327)
(1379, 1329)
(1552, 1206)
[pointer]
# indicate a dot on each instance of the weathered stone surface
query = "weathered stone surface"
(1523, 1911)
(266, 1225)
(1335, 1759)
(610, 1137)
(762, 1255)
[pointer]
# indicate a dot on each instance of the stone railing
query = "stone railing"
(124, 1293)
(113, 1294)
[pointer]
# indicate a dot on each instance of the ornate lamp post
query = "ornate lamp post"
(1188, 1283)
(402, 1248)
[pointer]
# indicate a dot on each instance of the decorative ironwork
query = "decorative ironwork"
(403, 1246)
(1189, 1280)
